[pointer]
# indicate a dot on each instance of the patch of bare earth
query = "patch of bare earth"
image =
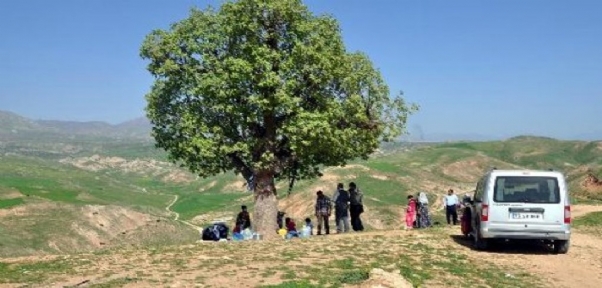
(379, 177)
(27, 210)
(467, 170)
(203, 219)
(86, 197)
(592, 184)
(580, 267)
(208, 186)
(103, 223)
(383, 279)
(178, 177)
(582, 210)
(236, 186)
(10, 194)
(300, 204)
(50, 227)
(167, 171)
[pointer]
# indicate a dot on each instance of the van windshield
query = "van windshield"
(526, 189)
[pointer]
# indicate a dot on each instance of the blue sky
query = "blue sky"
(495, 68)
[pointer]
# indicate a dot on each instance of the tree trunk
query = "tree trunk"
(266, 205)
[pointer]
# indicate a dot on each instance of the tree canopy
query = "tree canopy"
(267, 89)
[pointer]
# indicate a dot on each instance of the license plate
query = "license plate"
(526, 216)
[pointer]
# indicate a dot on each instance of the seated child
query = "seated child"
(308, 228)
(237, 228)
(291, 228)
(237, 233)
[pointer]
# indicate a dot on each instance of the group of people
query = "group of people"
(417, 212)
(348, 206)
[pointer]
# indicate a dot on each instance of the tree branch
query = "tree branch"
(241, 166)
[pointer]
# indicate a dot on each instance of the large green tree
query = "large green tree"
(267, 89)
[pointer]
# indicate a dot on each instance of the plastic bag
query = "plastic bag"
(238, 237)
(247, 234)
(305, 232)
(282, 232)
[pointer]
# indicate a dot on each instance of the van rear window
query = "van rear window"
(526, 189)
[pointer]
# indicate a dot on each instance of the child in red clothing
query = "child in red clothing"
(291, 228)
(237, 229)
(410, 212)
(290, 225)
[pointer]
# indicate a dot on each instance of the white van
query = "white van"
(519, 204)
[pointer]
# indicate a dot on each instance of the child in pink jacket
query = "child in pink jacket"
(410, 212)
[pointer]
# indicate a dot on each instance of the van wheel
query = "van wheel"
(480, 243)
(561, 246)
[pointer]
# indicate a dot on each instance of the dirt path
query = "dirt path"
(581, 267)
(581, 210)
(177, 215)
(168, 208)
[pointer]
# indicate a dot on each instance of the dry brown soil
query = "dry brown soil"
(581, 267)
(250, 264)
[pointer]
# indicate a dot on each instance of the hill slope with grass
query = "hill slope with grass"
(85, 192)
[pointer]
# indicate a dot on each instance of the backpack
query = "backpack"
(280, 219)
(343, 200)
(356, 197)
(215, 232)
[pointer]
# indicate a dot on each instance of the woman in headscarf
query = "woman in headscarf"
(424, 220)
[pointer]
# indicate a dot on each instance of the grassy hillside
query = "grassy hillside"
(58, 196)
(575, 158)
(48, 207)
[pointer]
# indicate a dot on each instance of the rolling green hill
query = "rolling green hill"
(84, 192)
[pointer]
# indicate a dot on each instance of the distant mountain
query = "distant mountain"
(139, 127)
(140, 122)
(15, 126)
(73, 127)
(447, 137)
(11, 123)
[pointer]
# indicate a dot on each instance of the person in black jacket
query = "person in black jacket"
(356, 208)
(341, 203)
(243, 219)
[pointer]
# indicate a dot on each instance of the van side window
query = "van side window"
(500, 192)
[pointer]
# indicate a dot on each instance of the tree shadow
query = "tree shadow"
(525, 247)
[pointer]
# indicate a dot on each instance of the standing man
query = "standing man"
(323, 211)
(341, 211)
(356, 208)
(451, 207)
(334, 198)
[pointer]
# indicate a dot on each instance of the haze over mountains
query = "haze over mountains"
(13, 126)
